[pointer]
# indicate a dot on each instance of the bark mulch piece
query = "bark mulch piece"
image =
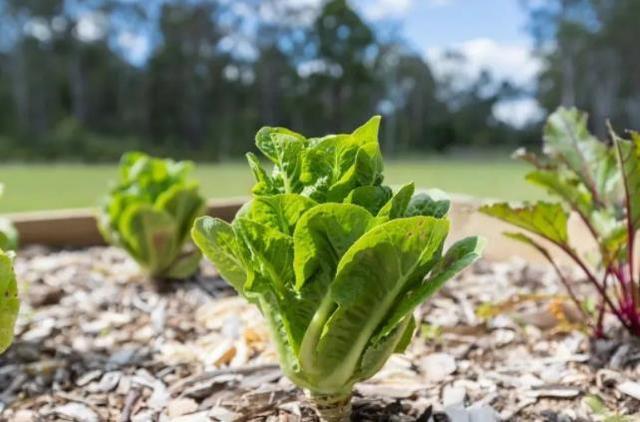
(97, 342)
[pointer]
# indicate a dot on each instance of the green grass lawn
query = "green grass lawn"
(31, 187)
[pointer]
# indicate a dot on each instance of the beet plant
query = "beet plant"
(9, 302)
(149, 212)
(600, 183)
(335, 261)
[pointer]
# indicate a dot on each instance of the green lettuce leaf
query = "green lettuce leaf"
(217, 241)
(149, 212)
(9, 302)
(370, 276)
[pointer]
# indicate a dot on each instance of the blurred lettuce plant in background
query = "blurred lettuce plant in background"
(149, 212)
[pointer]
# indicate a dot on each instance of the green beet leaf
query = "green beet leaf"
(542, 218)
(336, 261)
(149, 212)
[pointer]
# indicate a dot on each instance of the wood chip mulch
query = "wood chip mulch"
(97, 342)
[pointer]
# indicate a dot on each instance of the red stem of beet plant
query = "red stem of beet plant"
(626, 308)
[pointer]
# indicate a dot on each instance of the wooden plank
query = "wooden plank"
(77, 228)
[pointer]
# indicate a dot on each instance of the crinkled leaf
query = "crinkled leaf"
(9, 302)
(366, 170)
(396, 207)
(426, 205)
(336, 164)
(217, 241)
(544, 219)
(270, 253)
(322, 237)
(372, 198)
(286, 150)
(265, 185)
(280, 211)
(274, 141)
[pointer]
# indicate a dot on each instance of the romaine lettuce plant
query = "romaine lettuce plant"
(600, 183)
(8, 232)
(9, 302)
(335, 261)
(149, 212)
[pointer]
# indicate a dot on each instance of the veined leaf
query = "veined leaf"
(396, 207)
(542, 218)
(378, 350)
(571, 191)
(9, 302)
(371, 274)
(567, 139)
(424, 204)
(285, 149)
(459, 256)
(368, 132)
(270, 252)
(365, 171)
(629, 157)
(281, 211)
(218, 242)
(372, 198)
(336, 164)
(323, 235)
(274, 141)
(265, 185)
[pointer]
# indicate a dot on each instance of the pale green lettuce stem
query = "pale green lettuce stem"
(331, 407)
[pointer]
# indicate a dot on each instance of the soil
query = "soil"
(96, 341)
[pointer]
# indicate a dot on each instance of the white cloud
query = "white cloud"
(135, 46)
(91, 26)
(519, 112)
(510, 62)
(38, 28)
(504, 61)
(379, 9)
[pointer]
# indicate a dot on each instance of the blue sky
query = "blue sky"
(491, 34)
(441, 22)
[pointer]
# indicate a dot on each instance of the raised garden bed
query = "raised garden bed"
(95, 341)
